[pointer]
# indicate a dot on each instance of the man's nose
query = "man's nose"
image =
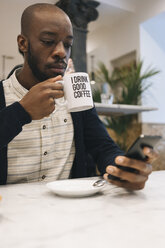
(59, 50)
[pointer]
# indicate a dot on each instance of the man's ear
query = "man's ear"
(22, 43)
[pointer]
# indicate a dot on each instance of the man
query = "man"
(38, 143)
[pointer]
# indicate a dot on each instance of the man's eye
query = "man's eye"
(48, 42)
(68, 45)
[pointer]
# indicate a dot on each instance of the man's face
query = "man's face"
(49, 46)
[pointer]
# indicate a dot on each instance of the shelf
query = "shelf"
(121, 109)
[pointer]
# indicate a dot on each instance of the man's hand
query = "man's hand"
(131, 180)
(39, 101)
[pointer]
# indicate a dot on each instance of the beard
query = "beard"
(33, 63)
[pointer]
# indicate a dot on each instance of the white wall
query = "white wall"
(124, 37)
(152, 50)
(121, 38)
(10, 16)
(98, 45)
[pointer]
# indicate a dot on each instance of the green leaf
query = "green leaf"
(129, 84)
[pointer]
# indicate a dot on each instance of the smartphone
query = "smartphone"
(136, 151)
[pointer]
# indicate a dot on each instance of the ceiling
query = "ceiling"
(111, 11)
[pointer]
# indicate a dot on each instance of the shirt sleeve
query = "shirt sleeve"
(12, 119)
(98, 142)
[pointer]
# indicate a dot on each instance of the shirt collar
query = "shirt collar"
(19, 90)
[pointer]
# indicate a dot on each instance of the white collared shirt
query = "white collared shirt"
(44, 150)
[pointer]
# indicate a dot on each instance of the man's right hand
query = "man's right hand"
(39, 101)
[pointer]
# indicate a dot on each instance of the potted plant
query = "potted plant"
(128, 83)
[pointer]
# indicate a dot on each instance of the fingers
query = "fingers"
(54, 79)
(141, 166)
(51, 88)
(125, 175)
(128, 173)
(57, 86)
(56, 94)
(39, 101)
(125, 184)
(55, 91)
(53, 85)
(150, 153)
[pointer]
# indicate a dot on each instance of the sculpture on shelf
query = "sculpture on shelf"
(81, 12)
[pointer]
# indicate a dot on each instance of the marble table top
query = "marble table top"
(33, 217)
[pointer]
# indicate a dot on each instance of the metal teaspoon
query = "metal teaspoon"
(99, 183)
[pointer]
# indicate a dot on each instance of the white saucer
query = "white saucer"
(74, 187)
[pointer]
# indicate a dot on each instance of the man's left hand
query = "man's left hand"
(131, 180)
